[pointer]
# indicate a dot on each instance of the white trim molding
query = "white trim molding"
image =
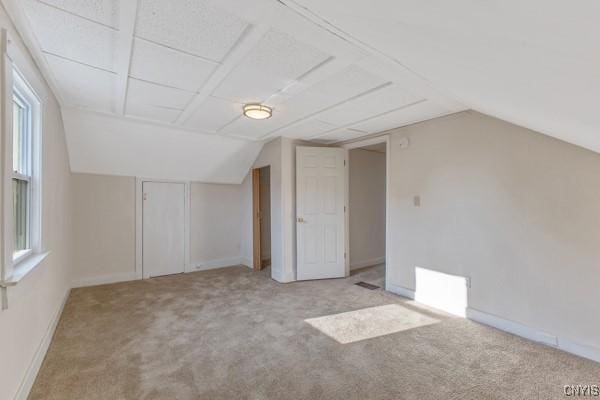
(400, 290)
(40, 353)
(105, 279)
(133, 275)
(219, 263)
(527, 332)
(246, 262)
(16, 86)
(362, 142)
(367, 263)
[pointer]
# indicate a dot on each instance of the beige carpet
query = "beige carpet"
(233, 334)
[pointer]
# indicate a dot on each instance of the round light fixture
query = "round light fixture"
(257, 111)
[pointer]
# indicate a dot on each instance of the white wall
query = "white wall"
(216, 216)
(280, 154)
(33, 305)
(367, 208)
(270, 155)
(516, 211)
(104, 216)
(104, 246)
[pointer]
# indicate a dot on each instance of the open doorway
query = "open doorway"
(261, 205)
(367, 213)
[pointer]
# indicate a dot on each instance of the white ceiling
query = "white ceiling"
(331, 70)
(535, 63)
(136, 148)
(194, 63)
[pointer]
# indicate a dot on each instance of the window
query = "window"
(22, 175)
(25, 175)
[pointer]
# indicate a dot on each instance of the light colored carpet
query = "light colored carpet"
(234, 334)
(370, 322)
(374, 275)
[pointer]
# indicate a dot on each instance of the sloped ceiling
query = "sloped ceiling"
(535, 63)
(133, 74)
(137, 148)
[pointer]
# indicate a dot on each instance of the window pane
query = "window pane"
(21, 214)
(18, 137)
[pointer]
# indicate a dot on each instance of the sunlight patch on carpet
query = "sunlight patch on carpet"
(369, 323)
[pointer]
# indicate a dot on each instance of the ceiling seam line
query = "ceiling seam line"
(32, 44)
(236, 44)
(220, 130)
(79, 16)
(244, 33)
(189, 103)
(347, 126)
(374, 89)
(123, 78)
(300, 78)
(183, 118)
(146, 121)
(187, 53)
(388, 131)
(160, 84)
(79, 62)
(363, 44)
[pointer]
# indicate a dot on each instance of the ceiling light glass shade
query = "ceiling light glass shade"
(257, 111)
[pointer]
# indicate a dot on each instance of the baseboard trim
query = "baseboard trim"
(533, 334)
(133, 276)
(367, 263)
(105, 279)
(40, 353)
(219, 263)
(246, 262)
(400, 290)
(582, 350)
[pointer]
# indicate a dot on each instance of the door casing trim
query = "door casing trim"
(388, 179)
(139, 225)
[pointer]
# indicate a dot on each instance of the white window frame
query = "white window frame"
(16, 266)
(24, 103)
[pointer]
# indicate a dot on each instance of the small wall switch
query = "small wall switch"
(404, 143)
(417, 201)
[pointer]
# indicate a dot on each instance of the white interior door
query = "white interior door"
(163, 231)
(320, 209)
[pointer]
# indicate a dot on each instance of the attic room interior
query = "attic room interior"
(299, 199)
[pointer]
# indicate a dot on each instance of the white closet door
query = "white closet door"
(320, 201)
(163, 228)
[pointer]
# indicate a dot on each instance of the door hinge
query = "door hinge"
(344, 208)
(344, 256)
(344, 163)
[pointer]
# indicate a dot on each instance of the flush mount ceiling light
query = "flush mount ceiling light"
(257, 111)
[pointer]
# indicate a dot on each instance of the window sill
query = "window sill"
(20, 256)
(23, 268)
